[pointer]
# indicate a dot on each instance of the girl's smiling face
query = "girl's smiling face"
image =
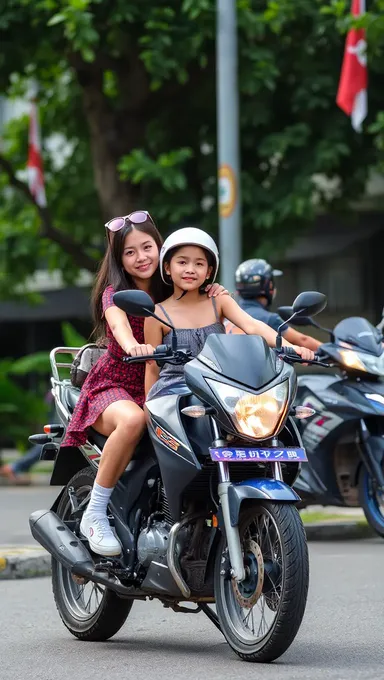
(188, 268)
(140, 256)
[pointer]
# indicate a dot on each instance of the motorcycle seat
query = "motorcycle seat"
(72, 395)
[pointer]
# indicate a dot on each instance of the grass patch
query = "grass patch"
(317, 517)
(43, 467)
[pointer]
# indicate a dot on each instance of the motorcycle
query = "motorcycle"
(205, 511)
(345, 440)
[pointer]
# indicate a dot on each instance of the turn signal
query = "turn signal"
(196, 411)
(303, 412)
(54, 429)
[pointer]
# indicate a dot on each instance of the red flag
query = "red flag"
(352, 92)
(35, 160)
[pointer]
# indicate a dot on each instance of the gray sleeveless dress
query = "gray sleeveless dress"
(194, 339)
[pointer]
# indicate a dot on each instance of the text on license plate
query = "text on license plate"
(270, 455)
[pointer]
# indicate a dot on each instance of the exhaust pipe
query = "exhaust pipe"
(48, 530)
(56, 537)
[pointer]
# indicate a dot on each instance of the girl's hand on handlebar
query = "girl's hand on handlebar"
(304, 352)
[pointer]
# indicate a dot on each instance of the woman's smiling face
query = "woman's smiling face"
(140, 256)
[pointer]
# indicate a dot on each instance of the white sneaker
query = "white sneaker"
(101, 538)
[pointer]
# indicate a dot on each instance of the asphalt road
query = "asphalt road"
(341, 636)
(16, 504)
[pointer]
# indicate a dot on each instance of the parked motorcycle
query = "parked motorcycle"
(205, 511)
(345, 439)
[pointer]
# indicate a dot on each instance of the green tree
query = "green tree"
(129, 89)
(23, 411)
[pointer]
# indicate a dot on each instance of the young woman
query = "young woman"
(112, 396)
(188, 260)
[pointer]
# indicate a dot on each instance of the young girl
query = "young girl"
(188, 260)
(112, 396)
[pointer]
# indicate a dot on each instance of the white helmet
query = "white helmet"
(189, 236)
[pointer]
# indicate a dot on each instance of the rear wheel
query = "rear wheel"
(89, 611)
(261, 616)
(371, 501)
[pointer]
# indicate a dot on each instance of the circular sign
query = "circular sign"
(227, 190)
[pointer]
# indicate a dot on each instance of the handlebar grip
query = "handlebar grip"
(320, 362)
(289, 351)
(145, 357)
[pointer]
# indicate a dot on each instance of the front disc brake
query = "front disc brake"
(247, 592)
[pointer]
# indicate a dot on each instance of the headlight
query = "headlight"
(362, 361)
(254, 415)
(351, 359)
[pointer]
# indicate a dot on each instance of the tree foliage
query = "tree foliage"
(22, 411)
(127, 92)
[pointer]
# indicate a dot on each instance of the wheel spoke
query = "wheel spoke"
(255, 622)
(88, 601)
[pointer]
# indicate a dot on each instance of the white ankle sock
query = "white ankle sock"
(99, 500)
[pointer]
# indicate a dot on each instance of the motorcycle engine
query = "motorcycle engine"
(153, 542)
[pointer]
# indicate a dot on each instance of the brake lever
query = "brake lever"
(296, 358)
(145, 357)
(177, 357)
(310, 362)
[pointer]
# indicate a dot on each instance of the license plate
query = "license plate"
(264, 455)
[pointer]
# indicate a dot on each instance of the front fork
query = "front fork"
(372, 453)
(232, 532)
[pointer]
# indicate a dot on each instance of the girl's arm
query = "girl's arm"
(122, 332)
(153, 333)
(231, 310)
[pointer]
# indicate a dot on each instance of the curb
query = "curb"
(37, 479)
(17, 562)
(338, 531)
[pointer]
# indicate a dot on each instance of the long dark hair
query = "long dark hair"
(112, 273)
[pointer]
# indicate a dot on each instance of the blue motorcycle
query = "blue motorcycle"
(345, 439)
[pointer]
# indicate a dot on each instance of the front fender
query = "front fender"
(260, 489)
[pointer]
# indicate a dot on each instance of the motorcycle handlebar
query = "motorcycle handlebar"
(291, 355)
(286, 352)
(163, 355)
(145, 357)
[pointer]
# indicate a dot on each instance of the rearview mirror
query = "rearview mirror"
(309, 304)
(134, 302)
(287, 312)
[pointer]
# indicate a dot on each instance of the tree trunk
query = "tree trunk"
(114, 132)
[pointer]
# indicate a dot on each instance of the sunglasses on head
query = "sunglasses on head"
(136, 217)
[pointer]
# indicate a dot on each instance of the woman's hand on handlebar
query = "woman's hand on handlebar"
(139, 350)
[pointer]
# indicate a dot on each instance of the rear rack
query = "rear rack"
(55, 364)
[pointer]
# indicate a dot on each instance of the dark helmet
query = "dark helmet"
(256, 278)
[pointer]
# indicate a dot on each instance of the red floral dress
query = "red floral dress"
(108, 381)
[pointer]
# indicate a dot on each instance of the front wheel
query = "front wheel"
(89, 611)
(371, 501)
(260, 616)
